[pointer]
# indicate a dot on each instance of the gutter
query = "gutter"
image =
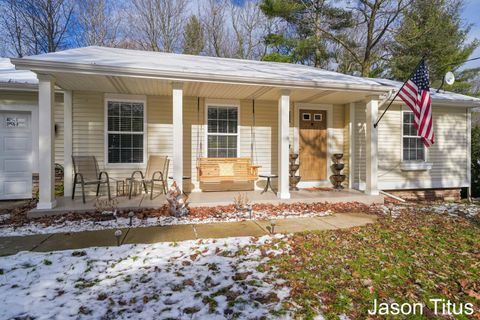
(24, 87)
(40, 66)
(448, 103)
(18, 86)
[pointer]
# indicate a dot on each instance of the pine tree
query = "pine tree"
(193, 42)
(434, 28)
(303, 39)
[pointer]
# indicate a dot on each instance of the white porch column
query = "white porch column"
(351, 147)
(67, 144)
(283, 145)
(46, 142)
(371, 142)
(469, 153)
(177, 103)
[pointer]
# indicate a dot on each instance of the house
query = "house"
(475, 117)
(122, 105)
(19, 131)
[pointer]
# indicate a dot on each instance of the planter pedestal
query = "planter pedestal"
(294, 179)
(337, 178)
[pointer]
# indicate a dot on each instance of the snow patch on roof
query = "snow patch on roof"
(434, 95)
(199, 65)
(8, 74)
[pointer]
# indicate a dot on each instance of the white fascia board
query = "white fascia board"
(39, 66)
(18, 86)
(447, 103)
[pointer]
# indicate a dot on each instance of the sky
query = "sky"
(471, 14)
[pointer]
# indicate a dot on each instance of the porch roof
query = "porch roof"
(443, 96)
(179, 67)
(10, 78)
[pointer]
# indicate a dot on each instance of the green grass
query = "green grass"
(413, 258)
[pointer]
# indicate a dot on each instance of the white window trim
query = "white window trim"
(330, 150)
(412, 165)
(125, 98)
(222, 103)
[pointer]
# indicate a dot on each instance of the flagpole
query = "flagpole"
(411, 74)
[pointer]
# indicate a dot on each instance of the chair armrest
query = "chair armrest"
(134, 173)
(103, 173)
(80, 175)
(159, 173)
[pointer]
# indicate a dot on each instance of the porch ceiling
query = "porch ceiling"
(150, 86)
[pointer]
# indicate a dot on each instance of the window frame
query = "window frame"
(129, 99)
(402, 136)
(221, 103)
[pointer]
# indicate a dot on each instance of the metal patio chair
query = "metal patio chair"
(87, 173)
(157, 172)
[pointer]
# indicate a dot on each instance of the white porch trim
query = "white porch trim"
(371, 142)
(351, 150)
(46, 138)
(411, 184)
(67, 144)
(177, 106)
(283, 145)
(469, 152)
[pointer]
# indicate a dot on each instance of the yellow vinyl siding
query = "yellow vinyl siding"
(448, 155)
(88, 132)
(58, 119)
(18, 98)
(359, 135)
(266, 132)
(338, 129)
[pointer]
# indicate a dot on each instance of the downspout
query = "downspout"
(392, 196)
(389, 95)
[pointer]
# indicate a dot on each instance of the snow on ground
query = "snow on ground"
(456, 209)
(63, 225)
(467, 210)
(202, 279)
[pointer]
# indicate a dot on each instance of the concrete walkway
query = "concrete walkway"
(103, 238)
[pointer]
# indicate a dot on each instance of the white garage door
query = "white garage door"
(15, 155)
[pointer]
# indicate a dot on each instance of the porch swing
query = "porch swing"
(217, 170)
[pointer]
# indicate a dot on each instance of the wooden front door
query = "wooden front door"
(313, 144)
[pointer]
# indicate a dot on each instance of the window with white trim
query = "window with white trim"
(222, 134)
(125, 132)
(413, 148)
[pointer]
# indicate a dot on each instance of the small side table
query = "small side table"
(183, 178)
(119, 186)
(269, 178)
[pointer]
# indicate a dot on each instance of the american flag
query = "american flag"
(415, 93)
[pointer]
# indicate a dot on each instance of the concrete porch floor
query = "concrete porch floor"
(209, 199)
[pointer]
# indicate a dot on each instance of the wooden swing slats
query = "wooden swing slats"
(226, 169)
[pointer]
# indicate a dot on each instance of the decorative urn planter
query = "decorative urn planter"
(337, 178)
